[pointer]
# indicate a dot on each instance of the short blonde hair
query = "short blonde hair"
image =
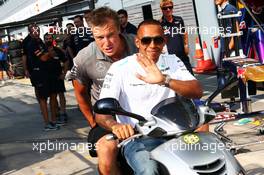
(163, 2)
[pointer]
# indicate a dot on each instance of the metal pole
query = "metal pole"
(196, 20)
(91, 4)
(122, 4)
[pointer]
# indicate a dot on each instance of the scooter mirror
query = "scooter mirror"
(111, 106)
(108, 106)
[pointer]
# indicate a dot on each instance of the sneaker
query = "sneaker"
(51, 127)
(64, 117)
(60, 122)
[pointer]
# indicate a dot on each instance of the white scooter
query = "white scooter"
(185, 152)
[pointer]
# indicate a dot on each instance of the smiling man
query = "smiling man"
(139, 82)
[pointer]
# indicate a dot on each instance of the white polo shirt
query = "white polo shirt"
(135, 95)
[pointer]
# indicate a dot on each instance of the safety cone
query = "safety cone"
(208, 64)
(199, 57)
(198, 50)
(199, 66)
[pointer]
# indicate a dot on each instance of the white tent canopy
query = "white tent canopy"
(14, 10)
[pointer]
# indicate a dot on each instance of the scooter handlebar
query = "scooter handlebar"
(114, 137)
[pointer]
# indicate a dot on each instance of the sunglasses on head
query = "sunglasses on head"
(166, 8)
(157, 40)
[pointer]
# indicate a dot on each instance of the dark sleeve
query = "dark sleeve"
(234, 9)
(64, 45)
(38, 48)
(66, 42)
(43, 46)
(132, 29)
(71, 44)
(24, 47)
(182, 24)
(61, 54)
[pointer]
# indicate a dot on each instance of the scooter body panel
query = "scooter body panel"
(196, 153)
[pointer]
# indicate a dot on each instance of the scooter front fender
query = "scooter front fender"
(196, 153)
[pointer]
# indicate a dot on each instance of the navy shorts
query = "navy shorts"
(94, 135)
(56, 85)
(3, 65)
(40, 81)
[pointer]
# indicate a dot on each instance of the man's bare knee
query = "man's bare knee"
(106, 148)
(107, 151)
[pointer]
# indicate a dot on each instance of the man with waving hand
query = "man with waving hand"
(139, 82)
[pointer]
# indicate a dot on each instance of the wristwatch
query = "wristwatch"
(167, 80)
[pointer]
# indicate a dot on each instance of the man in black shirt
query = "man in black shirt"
(35, 56)
(82, 36)
(126, 27)
(174, 31)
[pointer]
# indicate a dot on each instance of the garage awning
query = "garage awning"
(14, 11)
(49, 13)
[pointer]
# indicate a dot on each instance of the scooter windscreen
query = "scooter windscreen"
(179, 110)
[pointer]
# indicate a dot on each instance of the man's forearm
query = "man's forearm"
(85, 107)
(84, 102)
(185, 38)
(189, 89)
(105, 121)
(65, 66)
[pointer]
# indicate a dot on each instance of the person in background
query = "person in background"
(35, 61)
(4, 66)
(87, 15)
(68, 45)
(126, 27)
(177, 37)
(56, 77)
(226, 8)
(82, 36)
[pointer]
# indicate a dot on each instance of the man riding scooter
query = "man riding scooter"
(139, 82)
